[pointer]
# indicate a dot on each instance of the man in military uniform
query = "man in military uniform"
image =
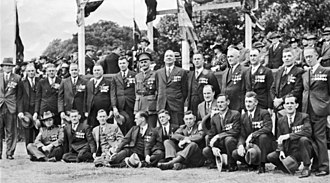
(48, 145)
(145, 89)
(196, 81)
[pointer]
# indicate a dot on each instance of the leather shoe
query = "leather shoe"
(321, 173)
(232, 168)
(305, 173)
(262, 169)
(52, 159)
(165, 166)
(178, 166)
(10, 157)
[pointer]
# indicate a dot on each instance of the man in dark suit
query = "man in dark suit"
(325, 51)
(258, 79)
(123, 93)
(196, 81)
(90, 59)
(27, 102)
(316, 101)
(98, 96)
(256, 128)
(71, 93)
(10, 94)
(224, 133)
(287, 80)
(184, 148)
(78, 140)
(231, 84)
(47, 94)
(165, 129)
(110, 64)
(142, 140)
(293, 138)
(171, 84)
(275, 52)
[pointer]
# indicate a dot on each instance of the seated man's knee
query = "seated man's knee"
(207, 152)
(30, 146)
(272, 157)
(303, 141)
(262, 138)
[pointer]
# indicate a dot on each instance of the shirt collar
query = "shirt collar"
(234, 67)
(199, 70)
(124, 72)
(171, 67)
(167, 126)
(252, 113)
(144, 128)
(288, 69)
(255, 68)
(292, 117)
(224, 114)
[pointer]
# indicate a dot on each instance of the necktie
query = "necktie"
(74, 81)
(285, 71)
(124, 75)
(196, 74)
(7, 77)
(32, 83)
(165, 132)
(290, 121)
(168, 72)
(74, 127)
(221, 121)
(250, 117)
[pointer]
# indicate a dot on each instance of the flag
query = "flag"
(18, 42)
(151, 10)
(90, 7)
(137, 35)
(186, 24)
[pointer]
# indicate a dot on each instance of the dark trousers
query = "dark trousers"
(194, 102)
(226, 146)
(176, 116)
(191, 153)
(83, 155)
(30, 134)
(266, 145)
(8, 125)
(303, 152)
(56, 152)
(152, 120)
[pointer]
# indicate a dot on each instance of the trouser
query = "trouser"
(321, 160)
(266, 145)
(8, 125)
(226, 146)
(302, 152)
(194, 102)
(152, 120)
(30, 134)
(176, 116)
(191, 153)
(83, 155)
(56, 152)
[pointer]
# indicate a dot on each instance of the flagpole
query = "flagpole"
(81, 38)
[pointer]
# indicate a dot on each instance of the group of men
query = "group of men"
(180, 120)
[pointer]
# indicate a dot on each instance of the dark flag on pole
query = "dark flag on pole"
(90, 7)
(137, 35)
(18, 43)
(151, 10)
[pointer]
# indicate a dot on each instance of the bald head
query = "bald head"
(233, 56)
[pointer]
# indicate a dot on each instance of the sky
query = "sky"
(42, 21)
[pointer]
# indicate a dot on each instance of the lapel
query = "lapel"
(279, 79)
(135, 133)
(26, 85)
(248, 78)
(120, 78)
(147, 75)
(319, 70)
(70, 85)
(173, 72)
(285, 125)
(96, 90)
(260, 71)
(325, 48)
(2, 83)
(277, 48)
(163, 74)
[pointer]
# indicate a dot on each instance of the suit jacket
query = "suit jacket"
(47, 96)
(99, 97)
(70, 95)
(202, 112)
(111, 64)
(123, 90)
(229, 127)
(89, 64)
(27, 102)
(261, 120)
(275, 57)
(11, 93)
(171, 91)
(317, 91)
(232, 86)
(325, 51)
(145, 91)
(288, 84)
(81, 139)
(195, 135)
(152, 140)
(113, 138)
(173, 128)
(260, 83)
(54, 136)
(205, 77)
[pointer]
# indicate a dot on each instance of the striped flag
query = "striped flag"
(151, 10)
(90, 7)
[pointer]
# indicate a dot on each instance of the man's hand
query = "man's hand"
(248, 139)
(243, 112)
(147, 159)
(20, 115)
(94, 155)
(86, 114)
(282, 155)
(216, 151)
(282, 138)
(115, 112)
(277, 102)
(65, 117)
(270, 111)
(181, 143)
(213, 140)
(35, 116)
(214, 112)
(241, 150)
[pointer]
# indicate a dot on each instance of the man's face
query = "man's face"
(49, 122)
(139, 120)
(287, 59)
(254, 57)
(42, 61)
(51, 72)
(290, 105)
(74, 71)
(102, 117)
(222, 103)
(123, 64)
(310, 57)
(143, 44)
(30, 71)
(90, 52)
(304, 42)
(198, 60)
(164, 118)
(189, 120)
(250, 103)
(97, 71)
(74, 117)
(119, 51)
(232, 57)
(311, 42)
(7, 68)
(208, 94)
(144, 64)
(169, 57)
(294, 45)
(275, 40)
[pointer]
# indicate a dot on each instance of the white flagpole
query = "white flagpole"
(81, 38)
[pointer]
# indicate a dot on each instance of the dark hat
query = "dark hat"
(326, 31)
(90, 48)
(258, 44)
(274, 35)
(144, 56)
(133, 161)
(27, 120)
(7, 62)
(305, 36)
(145, 39)
(290, 164)
(311, 36)
(293, 40)
(216, 46)
(253, 155)
(206, 124)
(47, 115)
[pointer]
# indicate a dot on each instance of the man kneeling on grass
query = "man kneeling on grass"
(48, 144)
(107, 137)
(184, 147)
